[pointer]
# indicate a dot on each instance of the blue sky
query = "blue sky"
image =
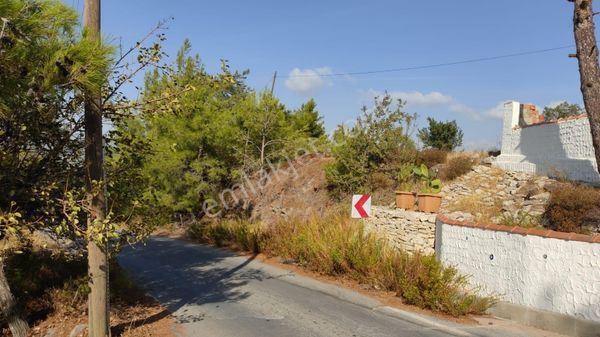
(320, 37)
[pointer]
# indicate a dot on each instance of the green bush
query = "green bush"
(573, 208)
(441, 135)
(337, 245)
(378, 145)
(562, 110)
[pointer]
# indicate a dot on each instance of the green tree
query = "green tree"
(44, 67)
(307, 120)
(377, 146)
(214, 134)
(562, 110)
(445, 136)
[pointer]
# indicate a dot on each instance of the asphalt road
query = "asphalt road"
(213, 292)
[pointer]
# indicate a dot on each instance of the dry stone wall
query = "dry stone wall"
(405, 230)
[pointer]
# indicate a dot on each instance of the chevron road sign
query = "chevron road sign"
(361, 206)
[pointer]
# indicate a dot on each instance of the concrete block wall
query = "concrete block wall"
(406, 230)
(538, 269)
(563, 147)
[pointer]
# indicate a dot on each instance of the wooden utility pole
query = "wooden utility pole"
(98, 302)
(589, 70)
(273, 83)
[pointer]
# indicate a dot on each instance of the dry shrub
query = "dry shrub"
(456, 167)
(474, 204)
(573, 208)
(432, 157)
(379, 180)
(236, 234)
(337, 245)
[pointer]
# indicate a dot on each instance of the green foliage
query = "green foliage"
(337, 245)
(308, 121)
(562, 110)
(441, 135)
(214, 134)
(379, 144)
(430, 184)
(45, 66)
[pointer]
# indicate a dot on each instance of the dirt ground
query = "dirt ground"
(295, 190)
(52, 293)
(147, 320)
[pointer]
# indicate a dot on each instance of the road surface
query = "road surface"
(213, 292)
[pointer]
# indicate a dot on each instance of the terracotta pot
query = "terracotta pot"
(429, 203)
(405, 200)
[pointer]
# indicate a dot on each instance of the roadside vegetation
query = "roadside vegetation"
(51, 292)
(190, 136)
(573, 208)
(339, 246)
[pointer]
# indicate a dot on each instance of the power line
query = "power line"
(437, 65)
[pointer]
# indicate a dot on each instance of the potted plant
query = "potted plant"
(406, 195)
(429, 197)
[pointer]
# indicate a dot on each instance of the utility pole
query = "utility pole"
(589, 70)
(98, 314)
(273, 83)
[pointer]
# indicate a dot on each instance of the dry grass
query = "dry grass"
(53, 291)
(456, 167)
(573, 208)
(473, 204)
(431, 157)
(337, 245)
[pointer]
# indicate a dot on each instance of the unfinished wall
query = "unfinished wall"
(406, 230)
(547, 148)
(541, 269)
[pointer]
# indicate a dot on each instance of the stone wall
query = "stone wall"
(534, 268)
(406, 230)
(563, 147)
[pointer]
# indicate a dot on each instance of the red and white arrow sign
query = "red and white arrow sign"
(361, 206)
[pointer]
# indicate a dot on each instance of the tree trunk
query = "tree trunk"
(98, 303)
(18, 327)
(589, 70)
(262, 153)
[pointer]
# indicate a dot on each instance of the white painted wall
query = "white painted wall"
(563, 146)
(566, 281)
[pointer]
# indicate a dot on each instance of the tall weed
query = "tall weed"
(337, 245)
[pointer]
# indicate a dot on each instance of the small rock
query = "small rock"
(460, 216)
(488, 161)
(49, 333)
(78, 330)
(544, 196)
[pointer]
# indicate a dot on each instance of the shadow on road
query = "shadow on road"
(179, 274)
(119, 329)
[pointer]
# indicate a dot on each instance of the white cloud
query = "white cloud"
(307, 81)
(465, 110)
(435, 98)
(496, 112)
(416, 98)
